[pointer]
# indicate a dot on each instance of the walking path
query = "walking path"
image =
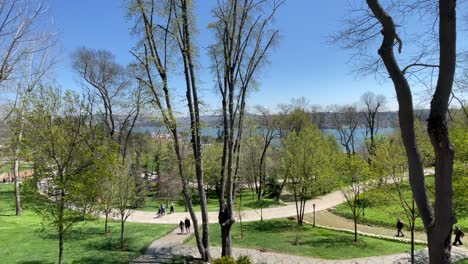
(166, 248)
(322, 203)
(172, 245)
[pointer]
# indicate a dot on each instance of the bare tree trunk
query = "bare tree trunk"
(122, 230)
(355, 216)
(19, 210)
(106, 221)
(16, 169)
(61, 242)
(438, 222)
(61, 230)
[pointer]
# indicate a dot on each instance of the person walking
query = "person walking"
(458, 235)
(171, 209)
(181, 226)
(399, 226)
(187, 225)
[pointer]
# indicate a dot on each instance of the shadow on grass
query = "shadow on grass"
(113, 244)
(99, 259)
(76, 233)
(333, 242)
(35, 262)
(256, 204)
(271, 226)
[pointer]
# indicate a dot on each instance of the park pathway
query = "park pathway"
(170, 246)
(322, 203)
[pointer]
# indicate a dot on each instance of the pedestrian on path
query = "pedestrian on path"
(399, 226)
(187, 225)
(171, 209)
(181, 226)
(458, 235)
(163, 209)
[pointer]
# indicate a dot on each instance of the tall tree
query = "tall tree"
(372, 105)
(243, 37)
(118, 106)
(57, 136)
(25, 60)
(167, 29)
(439, 218)
(355, 177)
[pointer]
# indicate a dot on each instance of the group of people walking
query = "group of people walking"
(458, 233)
(184, 225)
(162, 209)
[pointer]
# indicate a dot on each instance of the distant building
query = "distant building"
(8, 176)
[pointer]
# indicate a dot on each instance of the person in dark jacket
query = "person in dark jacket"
(399, 226)
(458, 235)
(181, 226)
(187, 225)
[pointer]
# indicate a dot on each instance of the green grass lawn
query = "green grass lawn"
(278, 235)
(249, 201)
(26, 240)
(384, 208)
(463, 261)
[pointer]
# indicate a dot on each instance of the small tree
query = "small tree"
(390, 160)
(345, 119)
(56, 134)
(308, 157)
(355, 177)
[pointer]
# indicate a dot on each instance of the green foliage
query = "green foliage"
(424, 143)
(224, 260)
(211, 163)
(66, 163)
(26, 239)
(308, 159)
(244, 260)
(385, 206)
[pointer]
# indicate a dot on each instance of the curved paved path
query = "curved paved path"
(169, 246)
(321, 203)
(172, 244)
(324, 202)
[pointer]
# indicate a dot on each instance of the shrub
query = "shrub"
(224, 260)
(244, 260)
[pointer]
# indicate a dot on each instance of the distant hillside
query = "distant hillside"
(387, 119)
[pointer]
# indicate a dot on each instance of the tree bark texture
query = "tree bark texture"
(438, 221)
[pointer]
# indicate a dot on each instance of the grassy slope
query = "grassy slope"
(26, 240)
(278, 235)
(384, 207)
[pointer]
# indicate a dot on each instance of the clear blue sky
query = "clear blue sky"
(304, 64)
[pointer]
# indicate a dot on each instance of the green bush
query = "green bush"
(244, 260)
(224, 260)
